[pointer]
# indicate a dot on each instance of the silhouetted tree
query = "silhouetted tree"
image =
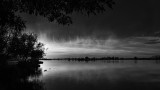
(54, 10)
(25, 46)
(10, 24)
(38, 51)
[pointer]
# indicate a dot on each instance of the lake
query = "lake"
(100, 75)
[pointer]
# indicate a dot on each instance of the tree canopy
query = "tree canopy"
(54, 10)
(25, 46)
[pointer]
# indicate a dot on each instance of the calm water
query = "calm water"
(100, 75)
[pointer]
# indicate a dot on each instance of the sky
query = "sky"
(131, 28)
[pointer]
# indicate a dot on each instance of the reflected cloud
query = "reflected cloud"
(62, 75)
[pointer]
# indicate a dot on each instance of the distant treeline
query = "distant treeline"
(106, 58)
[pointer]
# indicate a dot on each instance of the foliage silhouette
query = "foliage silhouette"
(55, 10)
(25, 46)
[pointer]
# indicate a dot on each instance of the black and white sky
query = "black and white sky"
(131, 28)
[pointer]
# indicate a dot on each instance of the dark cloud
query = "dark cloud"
(153, 41)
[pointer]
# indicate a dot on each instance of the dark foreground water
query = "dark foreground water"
(74, 75)
(100, 75)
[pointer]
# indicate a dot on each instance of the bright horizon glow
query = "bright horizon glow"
(82, 47)
(79, 47)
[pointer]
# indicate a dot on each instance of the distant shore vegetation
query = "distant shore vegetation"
(104, 58)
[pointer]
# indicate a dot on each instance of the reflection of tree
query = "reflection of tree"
(16, 78)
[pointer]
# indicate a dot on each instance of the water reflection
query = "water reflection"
(101, 75)
(16, 77)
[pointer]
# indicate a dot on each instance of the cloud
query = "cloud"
(153, 41)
